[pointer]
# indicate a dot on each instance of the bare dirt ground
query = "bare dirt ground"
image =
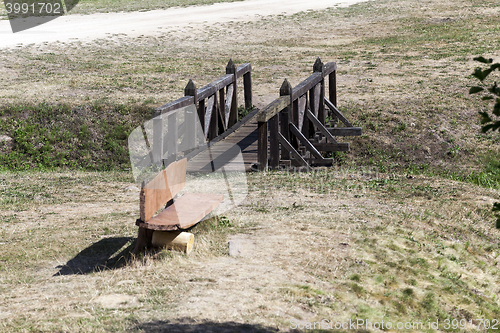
(73, 28)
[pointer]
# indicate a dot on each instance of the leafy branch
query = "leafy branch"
(491, 92)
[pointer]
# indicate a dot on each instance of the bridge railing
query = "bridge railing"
(216, 107)
(299, 117)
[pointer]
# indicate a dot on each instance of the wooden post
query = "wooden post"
(201, 115)
(190, 120)
(319, 67)
(233, 115)
(332, 87)
(222, 108)
(157, 143)
(294, 120)
(190, 123)
(274, 149)
(144, 239)
(191, 90)
(312, 108)
(262, 145)
(332, 92)
(247, 87)
(321, 111)
(172, 137)
(285, 90)
(213, 129)
(306, 130)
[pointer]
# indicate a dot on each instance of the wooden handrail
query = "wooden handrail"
(215, 86)
(306, 85)
(273, 108)
(177, 104)
(243, 69)
(206, 91)
(329, 68)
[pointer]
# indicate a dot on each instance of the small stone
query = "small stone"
(117, 301)
(5, 138)
(131, 188)
(6, 143)
(234, 248)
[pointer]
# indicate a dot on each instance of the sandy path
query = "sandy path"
(90, 27)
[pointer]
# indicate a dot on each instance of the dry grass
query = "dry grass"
(341, 244)
(328, 245)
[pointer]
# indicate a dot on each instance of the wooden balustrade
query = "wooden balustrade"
(299, 118)
(296, 128)
(217, 110)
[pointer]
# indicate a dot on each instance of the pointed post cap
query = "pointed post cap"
(231, 67)
(190, 89)
(286, 88)
(318, 65)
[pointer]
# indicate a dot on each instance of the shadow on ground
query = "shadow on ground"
(99, 256)
(192, 326)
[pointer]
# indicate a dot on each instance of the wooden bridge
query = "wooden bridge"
(298, 129)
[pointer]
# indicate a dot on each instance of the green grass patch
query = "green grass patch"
(47, 137)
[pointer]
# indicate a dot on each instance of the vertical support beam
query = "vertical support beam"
(332, 87)
(286, 117)
(221, 113)
(172, 137)
(201, 116)
(213, 129)
(332, 92)
(274, 149)
(262, 145)
(321, 111)
(312, 101)
(312, 108)
(157, 143)
(294, 120)
(306, 130)
(247, 87)
(144, 238)
(302, 106)
(233, 114)
(319, 67)
(190, 122)
(191, 90)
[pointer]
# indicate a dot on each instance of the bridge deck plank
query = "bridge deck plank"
(245, 138)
